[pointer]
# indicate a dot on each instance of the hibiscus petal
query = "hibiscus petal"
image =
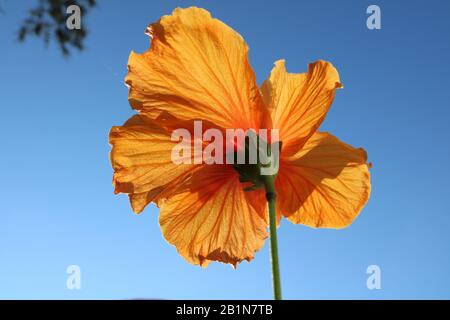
(298, 103)
(141, 159)
(196, 68)
(211, 219)
(325, 185)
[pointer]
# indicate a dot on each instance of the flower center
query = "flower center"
(257, 163)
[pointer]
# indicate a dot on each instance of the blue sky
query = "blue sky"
(57, 206)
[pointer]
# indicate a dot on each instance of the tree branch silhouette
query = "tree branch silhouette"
(48, 21)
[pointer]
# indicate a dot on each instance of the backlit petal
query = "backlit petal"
(325, 185)
(196, 68)
(298, 103)
(141, 159)
(211, 219)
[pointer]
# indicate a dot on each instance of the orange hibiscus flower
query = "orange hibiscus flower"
(197, 68)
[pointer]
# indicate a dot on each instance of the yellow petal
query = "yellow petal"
(141, 159)
(325, 185)
(196, 68)
(212, 219)
(298, 103)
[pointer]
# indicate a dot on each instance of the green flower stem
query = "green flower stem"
(271, 200)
